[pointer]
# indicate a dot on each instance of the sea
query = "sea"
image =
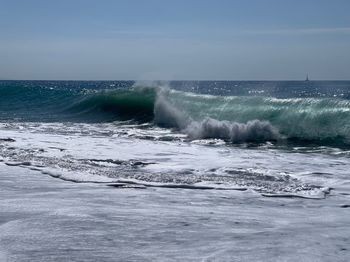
(248, 145)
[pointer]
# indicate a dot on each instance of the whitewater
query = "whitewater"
(251, 170)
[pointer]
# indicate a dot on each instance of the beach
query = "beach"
(45, 219)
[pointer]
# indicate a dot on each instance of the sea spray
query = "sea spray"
(166, 114)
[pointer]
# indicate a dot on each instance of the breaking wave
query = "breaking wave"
(231, 118)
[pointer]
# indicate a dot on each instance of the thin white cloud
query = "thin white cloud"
(299, 31)
(121, 32)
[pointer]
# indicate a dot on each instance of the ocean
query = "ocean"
(257, 143)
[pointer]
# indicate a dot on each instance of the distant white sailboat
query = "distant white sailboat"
(307, 78)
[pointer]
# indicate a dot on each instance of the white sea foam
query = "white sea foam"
(114, 158)
(235, 132)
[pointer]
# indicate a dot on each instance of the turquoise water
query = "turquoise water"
(314, 112)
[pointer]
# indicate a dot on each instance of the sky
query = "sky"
(175, 39)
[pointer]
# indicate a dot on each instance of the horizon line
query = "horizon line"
(176, 80)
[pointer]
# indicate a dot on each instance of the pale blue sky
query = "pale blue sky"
(193, 39)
